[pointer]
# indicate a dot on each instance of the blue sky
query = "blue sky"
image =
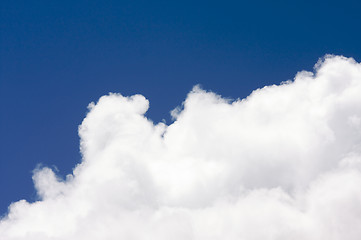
(56, 57)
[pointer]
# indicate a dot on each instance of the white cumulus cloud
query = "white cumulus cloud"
(283, 163)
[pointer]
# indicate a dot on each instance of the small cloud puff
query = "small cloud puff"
(283, 163)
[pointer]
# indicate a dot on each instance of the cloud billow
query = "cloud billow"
(283, 163)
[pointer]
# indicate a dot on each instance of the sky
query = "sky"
(57, 57)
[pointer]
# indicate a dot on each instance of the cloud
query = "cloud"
(283, 163)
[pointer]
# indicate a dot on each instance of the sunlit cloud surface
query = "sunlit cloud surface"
(283, 163)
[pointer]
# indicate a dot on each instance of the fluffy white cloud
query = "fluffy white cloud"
(284, 163)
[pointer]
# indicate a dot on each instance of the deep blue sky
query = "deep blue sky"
(57, 56)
